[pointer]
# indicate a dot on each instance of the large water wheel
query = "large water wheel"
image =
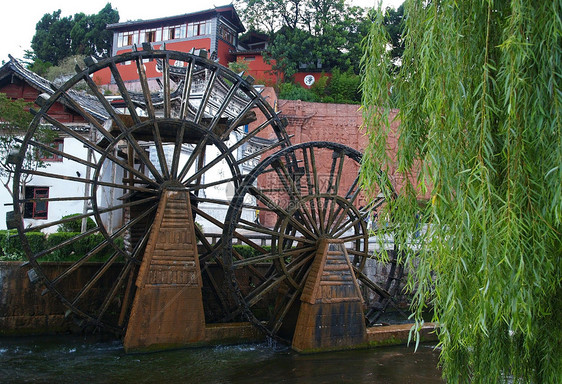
(307, 194)
(184, 131)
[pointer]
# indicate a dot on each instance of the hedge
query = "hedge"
(10, 246)
(11, 249)
(246, 251)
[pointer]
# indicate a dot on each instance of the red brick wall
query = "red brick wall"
(339, 123)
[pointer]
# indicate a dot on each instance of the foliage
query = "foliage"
(10, 245)
(340, 87)
(59, 74)
(59, 37)
(344, 87)
(11, 249)
(51, 42)
(75, 225)
(77, 248)
(246, 251)
(89, 34)
(393, 23)
(291, 91)
(480, 96)
(307, 34)
(36, 65)
(240, 65)
(15, 118)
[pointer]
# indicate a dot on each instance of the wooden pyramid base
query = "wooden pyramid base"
(167, 309)
(331, 313)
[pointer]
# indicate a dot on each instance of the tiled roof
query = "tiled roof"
(224, 9)
(90, 103)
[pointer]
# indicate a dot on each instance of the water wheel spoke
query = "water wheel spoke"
(184, 107)
(194, 156)
(360, 236)
(86, 115)
(177, 151)
(272, 282)
(53, 199)
(251, 268)
(205, 98)
(199, 186)
(76, 264)
(350, 224)
(270, 256)
(79, 179)
(75, 135)
(166, 84)
(311, 189)
(95, 278)
(293, 192)
(316, 185)
(209, 165)
(224, 104)
(282, 212)
(257, 294)
(123, 274)
(56, 223)
(124, 93)
(151, 114)
(64, 243)
(262, 151)
(49, 149)
(239, 118)
(252, 226)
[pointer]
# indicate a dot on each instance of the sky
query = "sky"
(18, 17)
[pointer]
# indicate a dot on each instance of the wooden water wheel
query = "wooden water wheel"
(306, 194)
(186, 130)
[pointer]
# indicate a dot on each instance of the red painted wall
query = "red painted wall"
(259, 69)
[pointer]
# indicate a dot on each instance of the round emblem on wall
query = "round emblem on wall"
(309, 80)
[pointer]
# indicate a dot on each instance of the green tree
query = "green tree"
(57, 38)
(51, 42)
(480, 98)
(307, 34)
(89, 34)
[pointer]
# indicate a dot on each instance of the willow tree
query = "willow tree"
(480, 99)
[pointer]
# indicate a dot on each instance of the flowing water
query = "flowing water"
(68, 359)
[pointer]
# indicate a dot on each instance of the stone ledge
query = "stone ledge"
(398, 334)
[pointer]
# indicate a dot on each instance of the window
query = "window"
(37, 208)
(57, 144)
(199, 28)
(150, 36)
(226, 34)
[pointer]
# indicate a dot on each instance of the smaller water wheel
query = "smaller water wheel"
(307, 194)
(185, 131)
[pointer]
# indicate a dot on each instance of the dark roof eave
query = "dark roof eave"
(45, 86)
(215, 10)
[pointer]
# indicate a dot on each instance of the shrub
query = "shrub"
(290, 91)
(11, 248)
(246, 251)
(75, 225)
